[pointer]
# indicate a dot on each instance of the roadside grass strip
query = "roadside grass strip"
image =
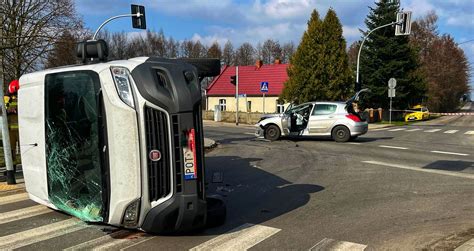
(469, 133)
(451, 153)
(13, 198)
(451, 131)
(330, 244)
(120, 239)
(433, 130)
(23, 213)
(35, 235)
(418, 169)
(240, 238)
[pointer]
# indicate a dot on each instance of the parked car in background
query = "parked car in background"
(338, 120)
(417, 112)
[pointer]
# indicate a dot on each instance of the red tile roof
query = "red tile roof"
(250, 78)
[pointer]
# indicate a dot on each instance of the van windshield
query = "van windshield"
(73, 139)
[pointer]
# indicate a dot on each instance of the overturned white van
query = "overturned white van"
(117, 142)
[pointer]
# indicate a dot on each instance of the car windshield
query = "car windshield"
(73, 121)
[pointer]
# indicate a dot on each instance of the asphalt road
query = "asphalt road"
(402, 188)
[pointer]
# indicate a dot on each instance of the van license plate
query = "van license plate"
(189, 170)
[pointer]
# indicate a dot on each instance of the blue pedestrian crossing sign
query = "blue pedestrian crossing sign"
(263, 86)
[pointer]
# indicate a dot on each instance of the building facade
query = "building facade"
(221, 93)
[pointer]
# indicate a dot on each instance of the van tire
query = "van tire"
(216, 211)
(272, 132)
(341, 134)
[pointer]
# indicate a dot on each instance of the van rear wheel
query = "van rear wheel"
(341, 134)
(272, 132)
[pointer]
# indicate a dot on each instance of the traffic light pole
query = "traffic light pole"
(358, 87)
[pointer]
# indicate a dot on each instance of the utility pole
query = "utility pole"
(7, 150)
(237, 95)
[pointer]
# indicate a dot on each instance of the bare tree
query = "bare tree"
(63, 52)
(271, 50)
(172, 48)
(214, 51)
(228, 53)
(245, 54)
(29, 29)
(287, 51)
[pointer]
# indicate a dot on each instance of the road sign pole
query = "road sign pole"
(264, 102)
(237, 95)
(390, 116)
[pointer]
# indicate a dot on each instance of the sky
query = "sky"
(255, 21)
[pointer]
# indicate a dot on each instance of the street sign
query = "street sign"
(392, 83)
(264, 87)
(391, 93)
(242, 95)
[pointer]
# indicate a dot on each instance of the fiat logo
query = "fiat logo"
(154, 155)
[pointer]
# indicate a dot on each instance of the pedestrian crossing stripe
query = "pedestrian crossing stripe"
(13, 198)
(397, 129)
(49, 231)
(469, 132)
(414, 130)
(23, 213)
(451, 131)
(433, 130)
(240, 238)
(330, 244)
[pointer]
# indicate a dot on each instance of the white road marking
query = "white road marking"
(394, 147)
(451, 131)
(414, 130)
(249, 133)
(13, 198)
(23, 213)
(469, 132)
(330, 244)
(240, 238)
(397, 129)
(113, 241)
(353, 143)
(455, 174)
(28, 237)
(380, 129)
(433, 130)
(467, 246)
(451, 153)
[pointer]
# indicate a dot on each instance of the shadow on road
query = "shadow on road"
(252, 195)
(451, 165)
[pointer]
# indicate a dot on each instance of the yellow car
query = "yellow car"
(417, 112)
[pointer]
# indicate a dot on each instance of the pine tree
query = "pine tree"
(386, 56)
(319, 68)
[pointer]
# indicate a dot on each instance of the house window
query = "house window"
(222, 104)
(280, 106)
(249, 106)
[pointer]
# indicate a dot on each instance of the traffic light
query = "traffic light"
(233, 79)
(138, 21)
(403, 26)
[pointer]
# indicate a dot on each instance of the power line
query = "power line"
(472, 40)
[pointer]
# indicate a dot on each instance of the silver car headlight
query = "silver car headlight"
(121, 77)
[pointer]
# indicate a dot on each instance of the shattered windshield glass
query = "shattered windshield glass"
(73, 139)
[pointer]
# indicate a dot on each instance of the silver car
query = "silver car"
(335, 119)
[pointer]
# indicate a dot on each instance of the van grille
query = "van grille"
(157, 138)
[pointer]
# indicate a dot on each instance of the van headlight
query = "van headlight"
(121, 77)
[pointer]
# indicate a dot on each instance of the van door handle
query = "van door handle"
(331, 117)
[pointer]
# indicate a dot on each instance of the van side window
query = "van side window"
(324, 109)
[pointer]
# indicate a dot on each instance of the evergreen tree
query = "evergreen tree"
(319, 68)
(337, 74)
(386, 56)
